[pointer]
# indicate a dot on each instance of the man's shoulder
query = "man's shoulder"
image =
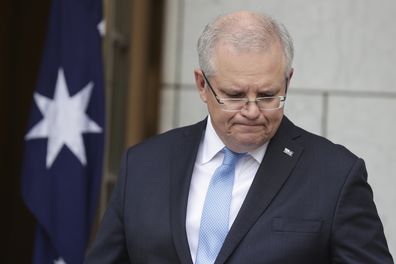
(323, 146)
(170, 138)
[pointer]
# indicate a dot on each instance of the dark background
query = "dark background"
(23, 25)
(133, 83)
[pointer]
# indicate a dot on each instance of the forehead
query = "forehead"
(251, 66)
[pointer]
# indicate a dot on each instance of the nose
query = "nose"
(251, 110)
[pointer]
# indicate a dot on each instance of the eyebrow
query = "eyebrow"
(269, 90)
(231, 89)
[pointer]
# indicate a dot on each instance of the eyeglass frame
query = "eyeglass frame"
(220, 101)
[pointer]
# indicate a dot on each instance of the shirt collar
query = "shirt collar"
(212, 144)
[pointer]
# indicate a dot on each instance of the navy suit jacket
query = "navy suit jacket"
(310, 205)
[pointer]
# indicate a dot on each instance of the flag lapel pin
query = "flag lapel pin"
(288, 152)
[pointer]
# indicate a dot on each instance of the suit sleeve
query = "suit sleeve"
(357, 232)
(110, 244)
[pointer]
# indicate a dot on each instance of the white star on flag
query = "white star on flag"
(64, 120)
(102, 27)
(59, 261)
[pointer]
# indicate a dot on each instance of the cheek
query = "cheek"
(273, 120)
(220, 119)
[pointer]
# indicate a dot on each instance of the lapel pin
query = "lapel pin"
(288, 152)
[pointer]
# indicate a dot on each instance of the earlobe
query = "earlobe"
(200, 83)
(289, 76)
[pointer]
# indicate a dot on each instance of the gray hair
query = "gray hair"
(245, 31)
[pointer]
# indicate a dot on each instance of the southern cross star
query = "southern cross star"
(64, 120)
(59, 261)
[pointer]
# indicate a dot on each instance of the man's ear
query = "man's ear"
(289, 76)
(200, 83)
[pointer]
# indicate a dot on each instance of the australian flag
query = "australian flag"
(65, 135)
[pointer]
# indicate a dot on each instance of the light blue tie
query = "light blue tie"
(215, 213)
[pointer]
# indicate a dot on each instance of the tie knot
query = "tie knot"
(231, 157)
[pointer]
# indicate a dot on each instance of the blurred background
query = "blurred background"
(344, 85)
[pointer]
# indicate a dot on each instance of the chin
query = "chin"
(251, 143)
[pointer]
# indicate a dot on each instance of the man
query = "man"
(294, 197)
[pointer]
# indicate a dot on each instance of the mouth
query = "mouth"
(249, 127)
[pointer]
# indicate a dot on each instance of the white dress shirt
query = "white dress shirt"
(210, 157)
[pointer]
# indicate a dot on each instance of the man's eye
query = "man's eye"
(234, 95)
(265, 95)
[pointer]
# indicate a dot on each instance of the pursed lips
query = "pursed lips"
(249, 126)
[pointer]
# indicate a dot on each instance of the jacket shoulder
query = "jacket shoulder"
(324, 148)
(165, 141)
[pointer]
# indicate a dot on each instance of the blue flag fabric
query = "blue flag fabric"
(64, 145)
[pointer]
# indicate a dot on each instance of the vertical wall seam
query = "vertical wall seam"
(325, 113)
(179, 55)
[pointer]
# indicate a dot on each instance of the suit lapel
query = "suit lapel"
(182, 165)
(280, 159)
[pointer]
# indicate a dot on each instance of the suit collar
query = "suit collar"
(280, 159)
(183, 159)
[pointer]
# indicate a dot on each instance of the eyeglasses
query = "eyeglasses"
(236, 104)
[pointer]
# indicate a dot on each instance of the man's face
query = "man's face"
(250, 75)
